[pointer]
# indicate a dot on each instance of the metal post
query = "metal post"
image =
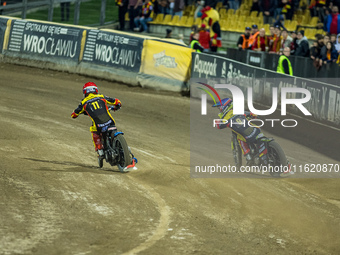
(76, 12)
(102, 12)
(50, 11)
(24, 9)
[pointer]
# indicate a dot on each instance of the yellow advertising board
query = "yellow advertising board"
(166, 60)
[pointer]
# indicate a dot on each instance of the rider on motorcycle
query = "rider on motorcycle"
(96, 107)
(239, 124)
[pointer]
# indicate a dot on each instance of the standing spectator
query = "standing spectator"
(333, 39)
(135, 7)
(268, 7)
(65, 7)
(204, 37)
(332, 25)
(234, 4)
(302, 49)
(284, 65)
(194, 29)
(271, 36)
(287, 9)
(324, 48)
(163, 6)
(315, 51)
(280, 22)
(331, 55)
(286, 39)
(261, 42)
(195, 45)
(337, 44)
(144, 17)
(254, 33)
(178, 8)
(293, 44)
(255, 6)
(317, 8)
(243, 41)
(122, 9)
(276, 47)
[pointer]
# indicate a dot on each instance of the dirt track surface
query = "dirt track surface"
(54, 199)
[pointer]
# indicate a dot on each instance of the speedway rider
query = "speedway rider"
(96, 107)
(239, 124)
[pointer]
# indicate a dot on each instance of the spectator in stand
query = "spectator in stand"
(278, 9)
(144, 17)
(135, 8)
(122, 9)
(163, 6)
(333, 39)
(234, 4)
(277, 39)
(268, 7)
(243, 41)
(254, 33)
(286, 39)
(315, 51)
(284, 65)
(332, 21)
(318, 8)
(255, 6)
(204, 37)
(280, 22)
(178, 7)
(293, 44)
(288, 9)
(337, 44)
(168, 33)
(331, 54)
(324, 48)
(64, 7)
(194, 29)
(180, 38)
(195, 45)
(261, 42)
(302, 49)
(271, 36)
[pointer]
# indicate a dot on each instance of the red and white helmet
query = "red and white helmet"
(90, 87)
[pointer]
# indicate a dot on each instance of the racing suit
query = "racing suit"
(240, 124)
(96, 107)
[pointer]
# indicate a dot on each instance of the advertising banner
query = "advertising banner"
(45, 40)
(166, 60)
(114, 49)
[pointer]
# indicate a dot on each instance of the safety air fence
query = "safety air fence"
(110, 54)
(324, 104)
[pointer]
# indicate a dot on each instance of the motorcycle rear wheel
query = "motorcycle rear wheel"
(122, 150)
(277, 157)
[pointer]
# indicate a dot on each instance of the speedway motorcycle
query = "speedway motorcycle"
(116, 151)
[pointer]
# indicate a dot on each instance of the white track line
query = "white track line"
(163, 224)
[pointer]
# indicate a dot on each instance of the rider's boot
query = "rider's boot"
(97, 141)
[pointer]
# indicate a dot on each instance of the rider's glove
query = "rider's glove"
(117, 107)
(74, 115)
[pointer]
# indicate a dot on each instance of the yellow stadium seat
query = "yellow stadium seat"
(158, 20)
(198, 22)
(242, 18)
(167, 19)
(219, 5)
(232, 26)
(238, 12)
(314, 21)
(230, 12)
(292, 25)
(182, 21)
(223, 12)
(253, 14)
(174, 20)
(127, 16)
(241, 27)
(190, 22)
